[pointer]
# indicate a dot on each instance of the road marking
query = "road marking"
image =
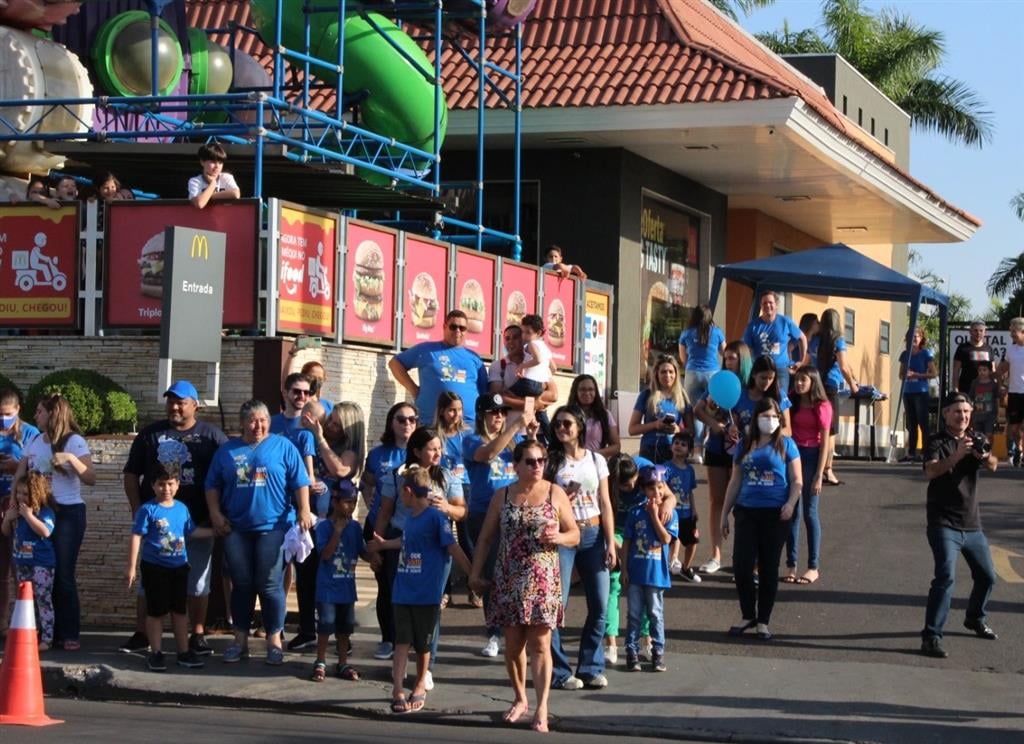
(1001, 562)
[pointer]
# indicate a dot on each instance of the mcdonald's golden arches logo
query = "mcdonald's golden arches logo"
(200, 247)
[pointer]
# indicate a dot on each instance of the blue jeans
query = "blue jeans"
(695, 384)
(68, 533)
(945, 543)
(916, 407)
(646, 601)
(256, 565)
(588, 558)
(807, 506)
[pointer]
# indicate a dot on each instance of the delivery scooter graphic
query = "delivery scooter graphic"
(33, 268)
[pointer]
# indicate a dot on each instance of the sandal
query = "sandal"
(347, 672)
(319, 671)
(72, 646)
(400, 705)
(789, 579)
(416, 703)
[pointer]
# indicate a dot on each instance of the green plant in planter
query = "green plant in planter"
(101, 406)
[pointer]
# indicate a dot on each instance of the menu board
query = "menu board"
(474, 295)
(369, 283)
(425, 290)
(597, 311)
(559, 317)
(518, 292)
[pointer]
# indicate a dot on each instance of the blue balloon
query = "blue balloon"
(724, 388)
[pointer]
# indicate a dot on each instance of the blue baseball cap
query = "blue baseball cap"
(344, 490)
(650, 475)
(183, 389)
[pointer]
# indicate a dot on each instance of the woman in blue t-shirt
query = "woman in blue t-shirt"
(763, 492)
(916, 373)
(450, 425)
(700, 350)
(661, 411)
(763, 382)
(828, 353)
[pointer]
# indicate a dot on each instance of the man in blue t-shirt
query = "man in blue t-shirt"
(769, 334)
(443, 365)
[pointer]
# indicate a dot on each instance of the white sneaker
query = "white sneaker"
(710, 567)
(428, 681)
(645, 649)
(675, 568)
(611, 655)
(698, 459)
(491, 649)
(572, 683)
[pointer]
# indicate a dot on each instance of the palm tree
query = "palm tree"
(1008, 278)
(900, 58)
(729, 7)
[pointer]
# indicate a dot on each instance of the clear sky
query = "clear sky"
(983, 40)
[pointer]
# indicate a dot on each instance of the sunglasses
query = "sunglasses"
(496, 412)
(565, 424)
(407, 419)
(299, 391)
(455, 328)
(534, 461)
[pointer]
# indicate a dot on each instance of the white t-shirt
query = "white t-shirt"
(539, 372)
(588, 471)
(197, 184)
(1015, 356)
(504, 371)
(67, 488)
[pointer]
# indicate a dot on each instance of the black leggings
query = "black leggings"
(916, 407)
(305, 589)
(758, 540)
(385, 615)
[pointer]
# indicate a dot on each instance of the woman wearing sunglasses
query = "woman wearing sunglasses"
(531, 520)
(584, 477)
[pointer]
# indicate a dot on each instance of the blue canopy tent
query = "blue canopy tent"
(836, 270)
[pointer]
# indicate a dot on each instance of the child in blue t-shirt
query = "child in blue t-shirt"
(425, 544)
(30, 520)
(645, 574)
(160, 528)
(681, 481)
(339, 542)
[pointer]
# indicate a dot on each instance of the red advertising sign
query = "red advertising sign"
(306, 260)
(370, 283)
(560, 317)
(474, 295)
(39, 266)
(518, 292)
(133, 284)
(425, 290)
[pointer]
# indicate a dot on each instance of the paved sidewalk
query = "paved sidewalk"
(712, 698)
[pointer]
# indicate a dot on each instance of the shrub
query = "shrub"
(7, 383)
(101, 406)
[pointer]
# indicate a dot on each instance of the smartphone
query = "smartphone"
(668, 418)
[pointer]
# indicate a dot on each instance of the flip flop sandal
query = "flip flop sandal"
(400, 706)
(789, 579)
(416, 703)
(348, 672)
(319, 671)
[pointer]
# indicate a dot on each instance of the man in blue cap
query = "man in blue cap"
(182, 440)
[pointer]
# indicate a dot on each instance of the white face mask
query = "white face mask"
(767, 424)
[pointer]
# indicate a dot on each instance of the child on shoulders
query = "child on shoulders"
(536, 368)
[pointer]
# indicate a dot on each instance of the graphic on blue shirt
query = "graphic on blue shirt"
(163, 530)
(681, 481)
(452, 459)
(31, 548)
(486, 477)
(772, 339)
(666, 406)
(647, 561)
(443, 367)
(12, 448)
(764, 476)
(423, 559)
(336, 576)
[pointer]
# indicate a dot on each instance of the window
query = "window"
(849, 321)
(886, 132)
(860, 117)
(844, 105)
(883, 337)
(872, 126)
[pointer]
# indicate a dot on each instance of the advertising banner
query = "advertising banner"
(518, 292)
(133, 274)
(370, 283)
(560, 317)
(474, 295)
(193, 301)
(669, 262)
(306, 260)
(425, 288)
(39, 267)
(597, 311)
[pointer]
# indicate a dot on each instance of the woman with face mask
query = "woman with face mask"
(763, 491)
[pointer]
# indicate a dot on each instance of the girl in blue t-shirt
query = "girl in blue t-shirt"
(762, 494)
(762, 383)
(30, 522)
(450, 425)
(700, 348)
(661, 411)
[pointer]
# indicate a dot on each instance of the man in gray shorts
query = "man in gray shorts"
(190, 444)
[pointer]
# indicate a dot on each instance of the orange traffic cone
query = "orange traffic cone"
(21, 680)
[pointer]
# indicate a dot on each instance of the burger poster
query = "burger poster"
(369, 283)
(38, 266)
(133, 283)
(518, 292)
(425, 290)
(474, 293)
(559, 317)
(307, 247)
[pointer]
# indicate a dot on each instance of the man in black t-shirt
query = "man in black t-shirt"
(189, 443)
(967, 356)
(951, 463)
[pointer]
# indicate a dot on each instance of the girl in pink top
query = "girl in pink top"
(811, 419)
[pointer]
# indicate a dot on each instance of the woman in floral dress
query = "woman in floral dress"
(532, 518)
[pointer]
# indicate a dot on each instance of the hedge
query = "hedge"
(101, 406)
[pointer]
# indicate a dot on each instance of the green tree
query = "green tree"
(1007, 281)
(746, 7)
(900, 58)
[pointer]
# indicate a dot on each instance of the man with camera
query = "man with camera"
(952, 459)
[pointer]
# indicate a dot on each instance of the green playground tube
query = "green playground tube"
(401, 99)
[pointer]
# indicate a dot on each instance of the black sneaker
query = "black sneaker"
(197, 644)
(301, 642)
(633, 663)
(138, 642)
(933, 647)
(156, 662)
(191, 660)
(658, 663)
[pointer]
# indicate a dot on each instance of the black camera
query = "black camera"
(980, 443)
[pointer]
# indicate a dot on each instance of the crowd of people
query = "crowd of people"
(468, 473)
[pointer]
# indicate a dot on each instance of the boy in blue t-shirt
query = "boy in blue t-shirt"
(681, 481)
(161, 526)
(645, 543)
(425, 544)
(339, 543)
